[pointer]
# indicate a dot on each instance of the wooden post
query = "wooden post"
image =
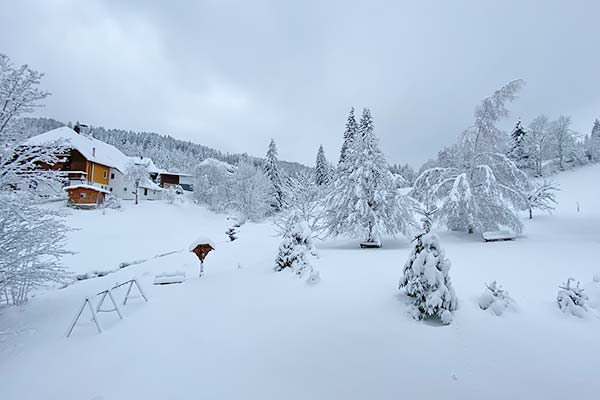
(201, 268)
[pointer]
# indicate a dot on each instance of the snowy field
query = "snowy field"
(245, 332)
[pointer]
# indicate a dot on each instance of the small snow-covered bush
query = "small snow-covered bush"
(572, 299)
(296, 250)
(495, 298)
(427, 282)
(111, 202)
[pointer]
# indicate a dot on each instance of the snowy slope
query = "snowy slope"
(245, 332)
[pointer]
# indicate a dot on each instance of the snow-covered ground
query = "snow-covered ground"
(245, 332)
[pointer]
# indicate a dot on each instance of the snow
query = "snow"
(218, 164)
(92, 149)
(201, 240)
(244, 331)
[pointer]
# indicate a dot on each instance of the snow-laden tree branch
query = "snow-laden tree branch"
(477, 187)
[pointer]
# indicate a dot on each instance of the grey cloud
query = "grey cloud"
(234, 74)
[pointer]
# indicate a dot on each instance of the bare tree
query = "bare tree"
(563, 142)
(19, 91)
(32, 240)
(537, 142)
(542, 197)
(136, 174)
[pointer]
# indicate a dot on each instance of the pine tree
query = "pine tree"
(363, 200)
(427, 282)
(517, 151)
(297, 250)
(594, 142)
(349, 135)
(322, 174)
(271, 170)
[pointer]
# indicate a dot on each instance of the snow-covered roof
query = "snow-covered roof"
(149, 164)
(211, 162)
(92, 149)
(148, 184)
(201, 240)
(84, 186)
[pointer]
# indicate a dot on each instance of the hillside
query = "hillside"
(244, 331)
(166, 151)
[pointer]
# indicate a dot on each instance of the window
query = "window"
(105, 175)
(82, 195)
(112, 176)
(145, 192)
(124, 189)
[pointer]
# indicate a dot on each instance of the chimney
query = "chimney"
(93, 152)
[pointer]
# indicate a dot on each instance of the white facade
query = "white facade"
(120, 186)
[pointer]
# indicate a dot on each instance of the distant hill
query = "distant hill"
(166, 151)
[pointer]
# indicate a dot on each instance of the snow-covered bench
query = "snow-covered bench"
(167, 278)
(494, 236)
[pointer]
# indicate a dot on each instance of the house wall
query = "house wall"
(77, 161)
(99, 173)
(119, 186)
(167, 180)
(85, 196)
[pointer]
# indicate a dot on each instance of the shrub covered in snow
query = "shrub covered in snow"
(426, 280)
(572, 299)
(495, 298)
(296, 250)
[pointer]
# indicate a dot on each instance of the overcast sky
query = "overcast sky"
(232, 75)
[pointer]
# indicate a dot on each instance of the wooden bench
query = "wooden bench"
(495, 236)
(370, 245)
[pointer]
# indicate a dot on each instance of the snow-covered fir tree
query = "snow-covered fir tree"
(495, 298)
(517, 151)
(349, 134)
(322, 171)
(593, 143)
(297, 250)
(273, 174)
(477, 186)
(427, 282)
(363, 200)
(571, 299)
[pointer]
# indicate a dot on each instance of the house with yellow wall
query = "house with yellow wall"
(96, 169)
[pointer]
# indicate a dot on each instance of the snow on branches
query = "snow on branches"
(296, 250)
(495, 299)
(572, 299)
(425, 279)
(478, 187)
(542, 197)
(363, 199)
(32, 240)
